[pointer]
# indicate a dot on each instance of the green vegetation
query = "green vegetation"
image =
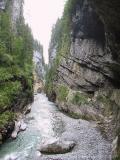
(62, 93)
(50, 75)
(5, 118)
(79, 98)
(8, 93)
(16, 52)
(118, 158)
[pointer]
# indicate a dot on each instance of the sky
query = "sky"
(40, 16)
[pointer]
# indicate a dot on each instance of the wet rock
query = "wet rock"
(16, 130)
(28, 110)
(39, 90)
(38, 154)
(7, 131)
(14, 135)
(23, 126)
(19, 126)
(30, 118)
(57, 147)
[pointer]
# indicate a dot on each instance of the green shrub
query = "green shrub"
(5, 74)
(50, 75)
(62, 92)
(117, 158)
(8, 93)
(5, 118)
(79, 99)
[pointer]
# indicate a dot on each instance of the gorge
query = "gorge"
(82, 81)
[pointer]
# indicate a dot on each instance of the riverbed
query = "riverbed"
(46, 122)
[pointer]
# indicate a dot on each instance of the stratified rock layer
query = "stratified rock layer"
(93, 59)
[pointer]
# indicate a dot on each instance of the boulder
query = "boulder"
(19, 126)
(23, 126)
(57, 147)
(16, 130)
(14, 135)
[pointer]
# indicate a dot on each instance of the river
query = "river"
(46, 122)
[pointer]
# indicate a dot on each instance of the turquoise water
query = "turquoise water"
(41, 124)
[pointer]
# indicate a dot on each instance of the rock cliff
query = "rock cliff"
(2, 4)
(92, 62)
(56, 33)
(87, 75)
(39, 64)
(15, 9)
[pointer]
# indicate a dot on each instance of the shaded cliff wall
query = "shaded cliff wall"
(89, 64)
(39, 67)
(38, 60)
(92, 51)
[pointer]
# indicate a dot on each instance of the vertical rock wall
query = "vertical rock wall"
(93, 62)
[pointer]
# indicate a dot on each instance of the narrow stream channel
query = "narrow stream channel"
(46, 122)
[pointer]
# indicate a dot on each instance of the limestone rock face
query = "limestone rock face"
(17, 12)
(39, 72)
(16, 130)
(2, 4)
(53, 46)
(93, 61)
(15, 9)
(39, 65)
